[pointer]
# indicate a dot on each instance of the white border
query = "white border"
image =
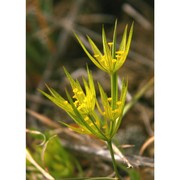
(12, 90)
(167, 89)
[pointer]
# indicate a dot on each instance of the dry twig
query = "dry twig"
(136, 161)
(146, 144)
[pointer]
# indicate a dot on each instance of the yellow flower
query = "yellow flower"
(84, 100)
(80, 107)
(111, 59)
(112, 115)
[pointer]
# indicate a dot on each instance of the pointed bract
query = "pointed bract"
(110, 60)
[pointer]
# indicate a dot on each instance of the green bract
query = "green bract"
(111, 59)
(81, 107)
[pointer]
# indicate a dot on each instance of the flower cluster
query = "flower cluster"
(111, 59)
(81, 108)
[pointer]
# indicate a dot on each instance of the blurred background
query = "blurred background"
(51, 44)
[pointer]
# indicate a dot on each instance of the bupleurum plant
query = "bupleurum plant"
(100, 119)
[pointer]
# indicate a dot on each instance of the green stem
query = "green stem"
(114, 89)
(113, 159)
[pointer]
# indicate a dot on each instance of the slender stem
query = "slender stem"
(114, 89)
(113, 159)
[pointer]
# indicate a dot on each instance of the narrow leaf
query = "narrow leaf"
(37, 133)
(106, 49)
(122, 46)
(130, 38)
(88, 54)
(32, 161)
(114, 40)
